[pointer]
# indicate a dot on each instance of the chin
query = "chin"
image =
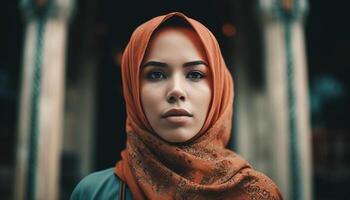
(178, 136)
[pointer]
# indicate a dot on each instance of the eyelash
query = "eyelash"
(200, 74)
(195, 75)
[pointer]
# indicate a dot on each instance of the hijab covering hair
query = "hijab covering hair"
(201, 168)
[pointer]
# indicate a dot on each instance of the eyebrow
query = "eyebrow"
(162, 64)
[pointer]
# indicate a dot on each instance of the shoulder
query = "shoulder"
(98, 185)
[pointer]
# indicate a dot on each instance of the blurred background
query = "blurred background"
(62, 112)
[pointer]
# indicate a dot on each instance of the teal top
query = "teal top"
(99, 185)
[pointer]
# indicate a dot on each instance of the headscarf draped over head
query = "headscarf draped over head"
(201, 168)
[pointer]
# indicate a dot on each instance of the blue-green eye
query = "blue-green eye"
(155, 75)
(195, 75)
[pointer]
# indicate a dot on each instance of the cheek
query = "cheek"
(150, 98)
(202, 96)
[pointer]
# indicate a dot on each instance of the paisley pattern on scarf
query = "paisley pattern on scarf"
(201, 168)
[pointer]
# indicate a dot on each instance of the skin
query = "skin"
(174, 74)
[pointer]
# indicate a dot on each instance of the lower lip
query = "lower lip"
(177, 119)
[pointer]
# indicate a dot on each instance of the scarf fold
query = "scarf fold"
(201, 168)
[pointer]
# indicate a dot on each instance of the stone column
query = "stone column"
(256, 138)
(287, 94)
(40, 122)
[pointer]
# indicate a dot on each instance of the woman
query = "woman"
(179, 95)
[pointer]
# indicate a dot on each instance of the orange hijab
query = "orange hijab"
(201, 168)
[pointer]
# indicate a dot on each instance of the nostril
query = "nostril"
(171, 99)
(175, 98)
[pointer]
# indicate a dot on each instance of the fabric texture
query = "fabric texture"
(201, 168)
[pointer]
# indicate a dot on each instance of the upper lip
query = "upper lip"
(177, 112)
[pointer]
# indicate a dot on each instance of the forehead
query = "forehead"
(175, 41)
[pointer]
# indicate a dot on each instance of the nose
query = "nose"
(176, 90)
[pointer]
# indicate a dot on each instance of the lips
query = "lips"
(176, 112)
(177, 117)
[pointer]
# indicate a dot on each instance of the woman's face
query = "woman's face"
(175, 84)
